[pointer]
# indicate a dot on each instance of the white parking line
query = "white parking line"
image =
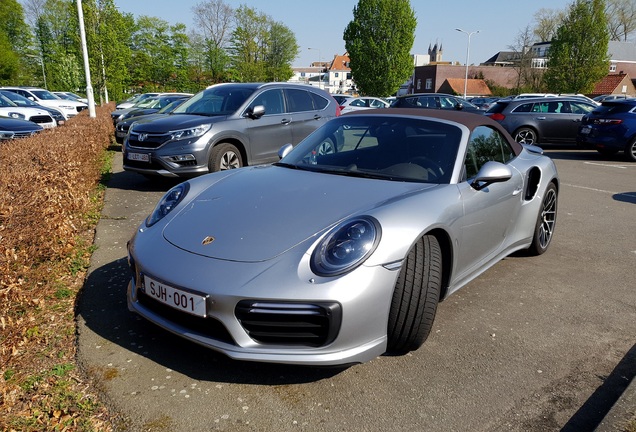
(631, 194)
(607, 165)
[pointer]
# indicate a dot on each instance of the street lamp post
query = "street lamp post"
(320, 63)
(467, 56)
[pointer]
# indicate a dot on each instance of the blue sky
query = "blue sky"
(319, 24)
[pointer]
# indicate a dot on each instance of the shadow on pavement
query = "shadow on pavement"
(592, 412)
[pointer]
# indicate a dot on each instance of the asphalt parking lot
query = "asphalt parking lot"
(534, 344)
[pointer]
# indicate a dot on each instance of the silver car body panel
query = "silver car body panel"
(284, 213)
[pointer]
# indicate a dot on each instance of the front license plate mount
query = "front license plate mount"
(177, 298)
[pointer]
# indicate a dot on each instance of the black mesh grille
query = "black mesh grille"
(149, 141)
(314, 324)
(41, 119)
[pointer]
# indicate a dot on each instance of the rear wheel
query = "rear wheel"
(415, 296)
(225, 156)
(630, 151)
(526, 136)
(546, 220)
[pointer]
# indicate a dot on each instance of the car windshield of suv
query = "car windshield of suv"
(19, 100)
(6, 102)
(223, 100)
(379, 147)
(44, 95)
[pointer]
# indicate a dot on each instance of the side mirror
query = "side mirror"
(257, 112)
(284, 150)
(491, 172)
(459, 106)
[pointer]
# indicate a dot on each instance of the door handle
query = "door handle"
(541, 118)
(317, 117)
(285, 121)
(517, 191)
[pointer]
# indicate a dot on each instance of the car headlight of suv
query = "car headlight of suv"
(169, 201)
(194, 132)
(346, 246)
(17, 115)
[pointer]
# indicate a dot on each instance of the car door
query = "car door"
(268, 133)
(305, 118)
(552, 121)
(489, 212)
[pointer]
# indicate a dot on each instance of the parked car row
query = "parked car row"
(25, 111)
(608, 126)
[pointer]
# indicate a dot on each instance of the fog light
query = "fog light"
(180, 158)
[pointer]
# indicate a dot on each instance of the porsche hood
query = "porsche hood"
(258, 213)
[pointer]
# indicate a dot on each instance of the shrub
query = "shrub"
(49, 194)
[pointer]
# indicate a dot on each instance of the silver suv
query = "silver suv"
(226, 126)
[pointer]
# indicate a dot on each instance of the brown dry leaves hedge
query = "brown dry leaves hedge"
(48, 190)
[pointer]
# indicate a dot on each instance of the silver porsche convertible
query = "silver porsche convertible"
(341, 251)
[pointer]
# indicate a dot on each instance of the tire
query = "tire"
(526, 135)
(328, 146)
(546, 221)
(630, 151)
(415, 297)
(225, 156)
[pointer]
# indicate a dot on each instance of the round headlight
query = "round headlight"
(169, 201)
(346, 246)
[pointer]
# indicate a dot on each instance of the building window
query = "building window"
(613, 67)
(429, 84)
(336, 74)
(419, 84)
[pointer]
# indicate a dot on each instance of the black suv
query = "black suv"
(226, 126)
(541, 120)
(435, 101)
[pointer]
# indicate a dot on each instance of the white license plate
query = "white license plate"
(585, 130)
(179, 299)
(143, 157)
(47, 125)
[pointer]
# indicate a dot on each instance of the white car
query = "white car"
(70, 96)
(45, 97)
(362, 103)
(35, 115)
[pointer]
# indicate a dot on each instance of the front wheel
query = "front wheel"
(225, 156)
(526, 136)
(546, 220)
(415, 296)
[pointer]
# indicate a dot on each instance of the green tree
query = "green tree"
(215, 19)
(158, 51)
(108, 38)
(14, 40)
(282, 51)
(379, 40)
(578, 57)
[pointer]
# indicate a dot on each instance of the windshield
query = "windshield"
(6, 102)
(19, 100)
(45, 95)
(383, 147)
(221, 100)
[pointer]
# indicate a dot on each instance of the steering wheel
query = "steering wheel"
(430, 165)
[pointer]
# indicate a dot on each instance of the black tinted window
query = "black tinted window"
(523, 108)
(319, 101)
(299, 100)
(272, 100)
(486, 144)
